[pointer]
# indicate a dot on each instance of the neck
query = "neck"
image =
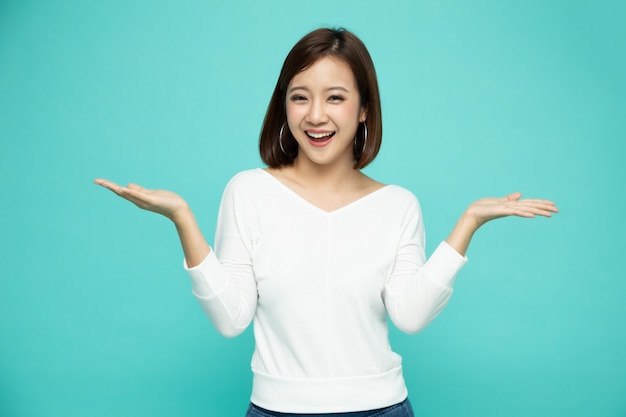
(332, 177)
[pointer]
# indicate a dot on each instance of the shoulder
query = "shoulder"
(246, 180)
(249, 176)
(392, 205)
(402, 205)
(406, 209)
(400, 196)
(393, 194)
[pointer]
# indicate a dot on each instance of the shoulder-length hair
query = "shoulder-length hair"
(336, 43)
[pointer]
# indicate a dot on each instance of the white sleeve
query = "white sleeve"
(223, 282)
(418, 290)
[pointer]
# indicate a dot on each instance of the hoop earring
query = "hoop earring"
(280, 139)
(364, 141)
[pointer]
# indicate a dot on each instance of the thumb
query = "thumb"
(135, 187)
(514, 196)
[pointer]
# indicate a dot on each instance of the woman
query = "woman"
(318, 253)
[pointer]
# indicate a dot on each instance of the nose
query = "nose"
(317, 112)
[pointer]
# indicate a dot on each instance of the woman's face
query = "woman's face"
(323, 112)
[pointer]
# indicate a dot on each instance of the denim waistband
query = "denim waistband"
(256, 411)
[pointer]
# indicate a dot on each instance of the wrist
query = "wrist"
(462, 233)
(182, 215)
(468, 223)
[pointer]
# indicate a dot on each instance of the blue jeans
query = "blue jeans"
(402, 409)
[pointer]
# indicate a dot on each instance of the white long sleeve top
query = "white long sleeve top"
(319, 286)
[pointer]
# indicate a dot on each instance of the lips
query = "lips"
(319, 138)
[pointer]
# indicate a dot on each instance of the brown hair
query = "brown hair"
(345, 46)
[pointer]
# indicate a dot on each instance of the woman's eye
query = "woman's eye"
(298, 98)
(335, 98)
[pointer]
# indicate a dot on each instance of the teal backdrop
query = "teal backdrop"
(480, 98)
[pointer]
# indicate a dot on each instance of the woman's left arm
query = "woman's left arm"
(486, 209)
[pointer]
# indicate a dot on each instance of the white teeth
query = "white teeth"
(320, 135)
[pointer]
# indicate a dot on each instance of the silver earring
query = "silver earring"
(364, 137)
(280, 142)
(364, 140)
(280, 139)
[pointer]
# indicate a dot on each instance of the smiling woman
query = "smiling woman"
(348, 58)
(317, 253)
(323, 113)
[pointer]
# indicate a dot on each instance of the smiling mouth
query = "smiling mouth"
(320, 136)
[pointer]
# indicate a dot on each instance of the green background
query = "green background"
(480, 98)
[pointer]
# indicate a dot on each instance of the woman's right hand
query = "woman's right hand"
(173, 207)
(167, 203)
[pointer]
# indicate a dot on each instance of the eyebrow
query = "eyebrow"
(337, 87)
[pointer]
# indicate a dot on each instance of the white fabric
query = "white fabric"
(319, 286)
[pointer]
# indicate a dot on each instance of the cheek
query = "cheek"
(294, 112)
(294, 117)
(350, 115)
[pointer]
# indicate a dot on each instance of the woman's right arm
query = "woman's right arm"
(225, 290)
(172, 206)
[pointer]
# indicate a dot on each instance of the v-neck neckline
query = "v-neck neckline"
(306, 202)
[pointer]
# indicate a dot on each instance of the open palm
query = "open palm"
(486, 209)
(162, 202)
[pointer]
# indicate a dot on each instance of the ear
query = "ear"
(363, 115)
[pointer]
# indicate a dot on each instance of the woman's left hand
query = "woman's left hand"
(486, 209)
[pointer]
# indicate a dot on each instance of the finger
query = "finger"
(110, 185)
(535, 211)
(543, 212)
(134, 195)
(141, 200)
(124, 192)
(536, 200)
(540, 205)
(514, 196)
(519, 211)
(136, 187)
(105, 183)
(525, 214)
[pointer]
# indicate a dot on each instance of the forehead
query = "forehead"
(325, 71)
